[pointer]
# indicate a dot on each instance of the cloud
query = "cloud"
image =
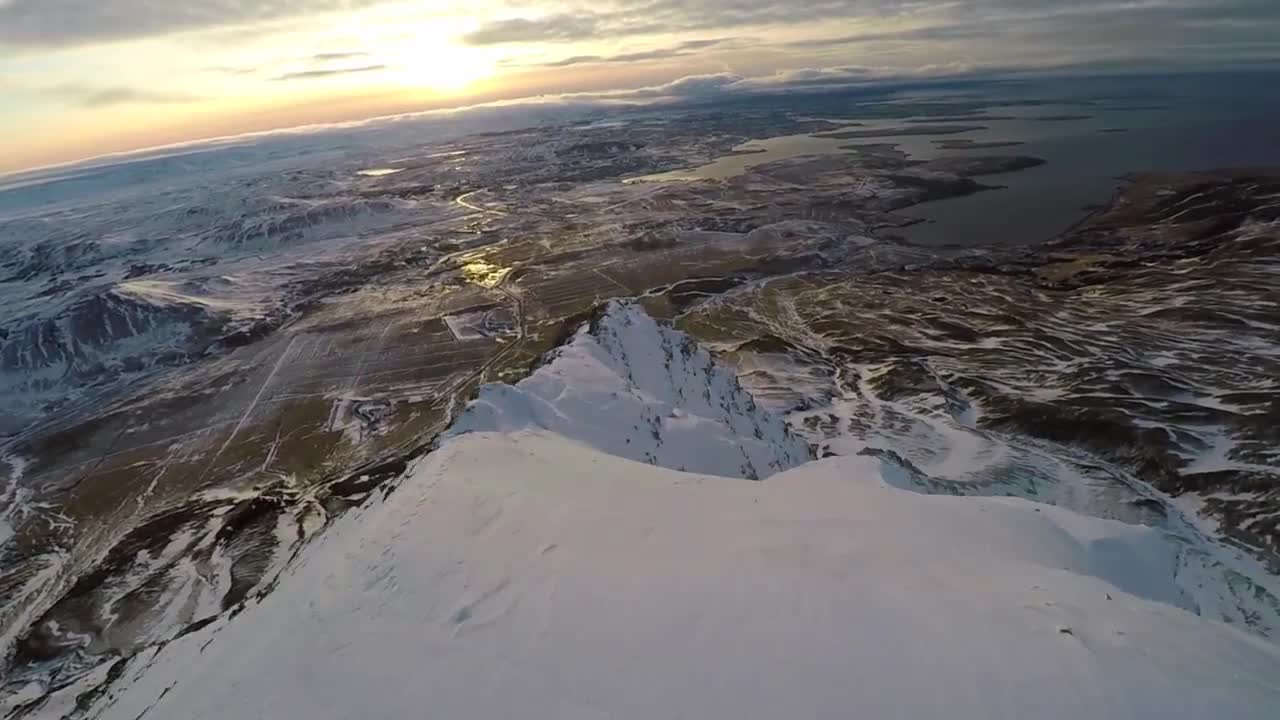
(566, 62)
(133, 96)
(681, 50)
(230, 70)
(1150, 28)
(693, 89)
(100, 97)
(331, 56)
(695, 86)
(62, 23)
(329, 72)
(321, 62)
(690, 87)
(624, 18)
(917, 34)
(553, 28)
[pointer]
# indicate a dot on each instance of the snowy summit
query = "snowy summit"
(582, 546)
(629, 387)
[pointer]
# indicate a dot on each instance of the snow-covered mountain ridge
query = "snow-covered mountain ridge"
(630, 387)
(551, 560)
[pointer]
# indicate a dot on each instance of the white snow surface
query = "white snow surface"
(631, 387)
(539, 565)
(525, 575)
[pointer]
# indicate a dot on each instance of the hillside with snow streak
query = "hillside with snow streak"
(628, 386)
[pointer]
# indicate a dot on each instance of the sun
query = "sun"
(439, 65)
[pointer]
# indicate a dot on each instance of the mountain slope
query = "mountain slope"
(526, 575)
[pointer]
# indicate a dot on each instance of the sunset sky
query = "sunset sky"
(85, 77)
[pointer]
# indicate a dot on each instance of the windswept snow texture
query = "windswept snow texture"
(528, 576)
(627, 386)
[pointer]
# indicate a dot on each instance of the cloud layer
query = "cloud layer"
(683, 49)
(623, 18)
(329, 72)
(60, 23)
(91, 96)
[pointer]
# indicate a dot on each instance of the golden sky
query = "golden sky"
(86, 77)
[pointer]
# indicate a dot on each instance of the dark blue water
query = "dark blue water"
(1171, 124)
